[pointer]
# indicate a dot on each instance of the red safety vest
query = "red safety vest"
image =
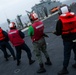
(2, 37)
(15, 38)
(38, 30)
(68, 22)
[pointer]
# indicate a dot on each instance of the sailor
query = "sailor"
(16, 38)
(66, 27)
(36, 32)
(4, 44)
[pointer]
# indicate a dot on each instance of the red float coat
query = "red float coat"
(38, 30)
(15, 38)
(68, 22)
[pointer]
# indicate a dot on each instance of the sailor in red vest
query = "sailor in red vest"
(4, 43)
(36, 32)
(66, 26)
(16, 38)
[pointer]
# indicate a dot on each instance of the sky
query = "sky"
(10, 8)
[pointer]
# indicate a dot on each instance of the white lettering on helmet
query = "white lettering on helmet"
(39, 26)
(11, 25)
(35, 15)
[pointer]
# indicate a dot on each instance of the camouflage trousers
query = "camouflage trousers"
(40, 46)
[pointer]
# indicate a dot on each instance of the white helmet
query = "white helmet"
(64, 9)
(12, 25)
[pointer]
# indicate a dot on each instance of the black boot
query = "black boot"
(74, 65)
(63, 71)
(18, 62)
(6, 59)
(48, 62)
(14, 58)
(8, 56)
(31, 61)
(41, 69)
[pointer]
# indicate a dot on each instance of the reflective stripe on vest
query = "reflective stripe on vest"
(38, 30)
(15, 38)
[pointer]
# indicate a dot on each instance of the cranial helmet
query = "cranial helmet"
(12, 25)
(64, 9)
(34, 16)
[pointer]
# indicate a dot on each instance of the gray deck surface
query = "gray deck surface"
(54, 48)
